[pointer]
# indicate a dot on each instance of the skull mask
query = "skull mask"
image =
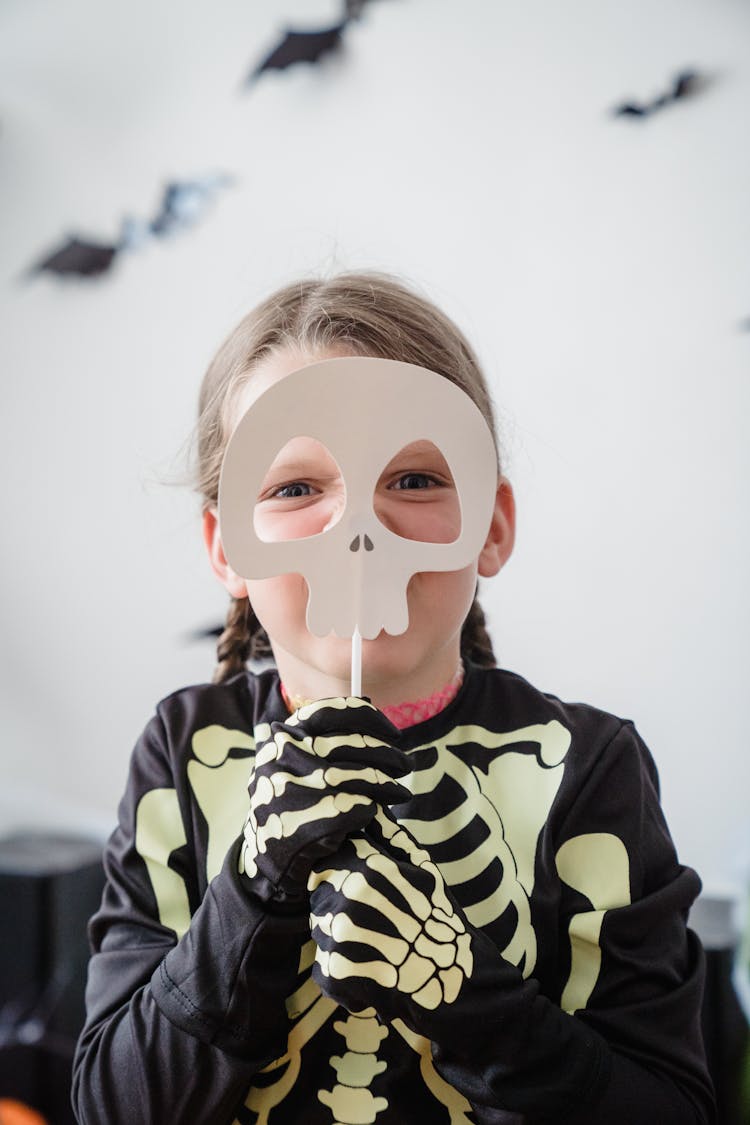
(364, 410)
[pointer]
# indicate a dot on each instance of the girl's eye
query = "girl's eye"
(293, 491)
(412, 481)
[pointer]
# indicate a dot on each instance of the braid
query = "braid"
(243, 639)
(476, 645)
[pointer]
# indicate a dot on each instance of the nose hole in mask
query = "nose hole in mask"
(302, 493)
(367, 543)
(416, 496)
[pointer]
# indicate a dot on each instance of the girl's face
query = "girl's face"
(303, 494)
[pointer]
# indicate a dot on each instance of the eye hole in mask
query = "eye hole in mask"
(416, 497)
(302, 493)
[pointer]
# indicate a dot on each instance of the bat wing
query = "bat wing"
(689, 83)
(686, 85)
(184, 202)
(630, 109)
(80, 258)
(300, 46)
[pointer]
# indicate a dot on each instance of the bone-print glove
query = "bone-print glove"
(388, 932)
(391, 936)
(320, 776)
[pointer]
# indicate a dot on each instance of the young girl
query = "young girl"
(454, 901)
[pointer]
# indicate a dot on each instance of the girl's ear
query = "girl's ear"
(502, 533)
(230, 580)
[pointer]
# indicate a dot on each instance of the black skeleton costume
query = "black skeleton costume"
(501, 939)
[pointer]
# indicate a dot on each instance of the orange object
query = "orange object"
(16, 1113)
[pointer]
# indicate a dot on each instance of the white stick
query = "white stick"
(356, 662)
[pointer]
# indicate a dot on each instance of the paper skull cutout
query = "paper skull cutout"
(364, 410)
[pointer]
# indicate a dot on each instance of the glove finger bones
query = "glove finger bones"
(429, 959)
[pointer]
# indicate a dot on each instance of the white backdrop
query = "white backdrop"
(601, 267)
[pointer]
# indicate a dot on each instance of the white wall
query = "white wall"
(601, 267)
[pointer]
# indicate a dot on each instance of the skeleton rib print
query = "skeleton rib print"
(480, 799)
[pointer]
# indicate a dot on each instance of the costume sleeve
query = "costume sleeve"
(625, 1042)
(177, 1027)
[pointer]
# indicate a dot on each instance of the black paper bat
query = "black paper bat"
(210, 632)
(77, 257)
(299, 46)
(686, 85)
(181, 205)
(307, 46)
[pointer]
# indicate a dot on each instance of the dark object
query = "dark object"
(84, 259)
(299, 46)
(206, 634)
(685, 85)
(725, 1029)
(183, 202)
(307, 46)
(49, 887)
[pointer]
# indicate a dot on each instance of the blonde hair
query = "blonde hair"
(362, 313)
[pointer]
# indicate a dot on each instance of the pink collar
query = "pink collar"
(408, 714)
